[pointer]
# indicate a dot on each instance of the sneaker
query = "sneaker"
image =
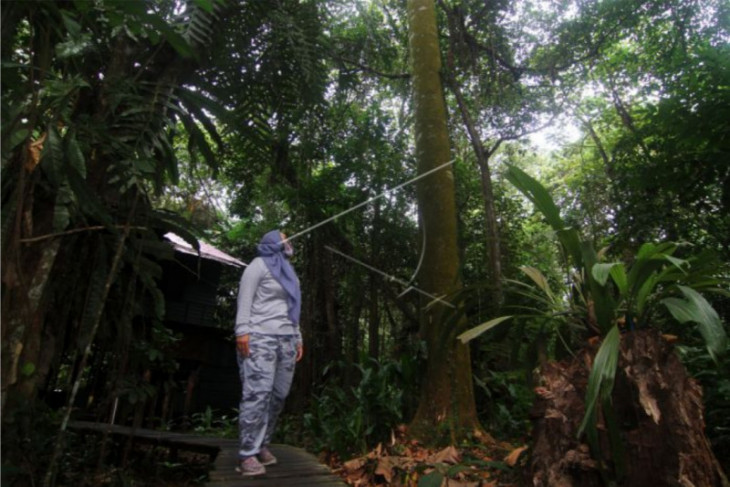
(266, 457)
(251, 467)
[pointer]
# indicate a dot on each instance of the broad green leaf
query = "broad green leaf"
(618, 451)
(433, 479)
(17, 137)
(539, 279)
(478, 330)
(74, 155)
(618, 273)
(52, 162)
(601, 272)
(642, 271)
(604, 303)
(601, 378)
(537, 194)
(680, 264)
(695, 308)
(70, 23)
(646, 251)
(61, 212)
(570, 239)
(642, 295)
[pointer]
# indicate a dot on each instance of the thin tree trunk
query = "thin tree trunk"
(447, 397)
(374, 310)
(353, 340)
(374, 320)
(333, 331)
(96, 320)
(490, 213)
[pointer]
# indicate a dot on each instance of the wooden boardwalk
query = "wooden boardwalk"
(296, 467)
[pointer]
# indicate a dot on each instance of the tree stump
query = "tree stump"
(659, 410)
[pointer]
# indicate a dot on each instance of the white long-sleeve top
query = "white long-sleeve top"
(262, 304)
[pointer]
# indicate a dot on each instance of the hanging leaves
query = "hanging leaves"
(694, 308)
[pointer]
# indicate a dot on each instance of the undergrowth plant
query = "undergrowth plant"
(660, 283)
(215, 423)
(508, 399)
(351, 421)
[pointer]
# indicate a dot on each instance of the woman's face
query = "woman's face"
(288, 249)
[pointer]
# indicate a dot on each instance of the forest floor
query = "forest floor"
(400, 462)
(407, 463)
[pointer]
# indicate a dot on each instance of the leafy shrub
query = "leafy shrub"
(214, 423)
(349, 422)
(506, 401)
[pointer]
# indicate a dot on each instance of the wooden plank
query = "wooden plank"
(263, 481)
(295, 467)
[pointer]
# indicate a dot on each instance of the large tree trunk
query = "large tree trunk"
(658, 405)
(447, 397)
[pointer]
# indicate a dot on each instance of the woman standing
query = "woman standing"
(269, 343)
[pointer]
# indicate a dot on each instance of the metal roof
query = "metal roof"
(207, 251)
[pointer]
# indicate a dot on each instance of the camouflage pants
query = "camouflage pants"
(266, 377)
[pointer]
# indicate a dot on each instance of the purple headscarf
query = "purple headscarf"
(271, 250)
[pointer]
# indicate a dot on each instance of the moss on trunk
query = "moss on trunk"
(447, 409)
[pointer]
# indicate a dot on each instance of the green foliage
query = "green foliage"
(90, 97)
(607, 294)
(350, 422)
(694, 308)
(311, 99)
(216, 423)
(654, 161)
(504, 402)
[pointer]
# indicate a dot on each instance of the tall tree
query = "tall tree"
(89, 96)
(447, 396)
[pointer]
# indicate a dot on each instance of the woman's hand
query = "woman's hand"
(242, 344)
(300, 351)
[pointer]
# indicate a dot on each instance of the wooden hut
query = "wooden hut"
(208, 373)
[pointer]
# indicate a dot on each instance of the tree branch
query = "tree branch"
(368, 69)
(75, 230)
